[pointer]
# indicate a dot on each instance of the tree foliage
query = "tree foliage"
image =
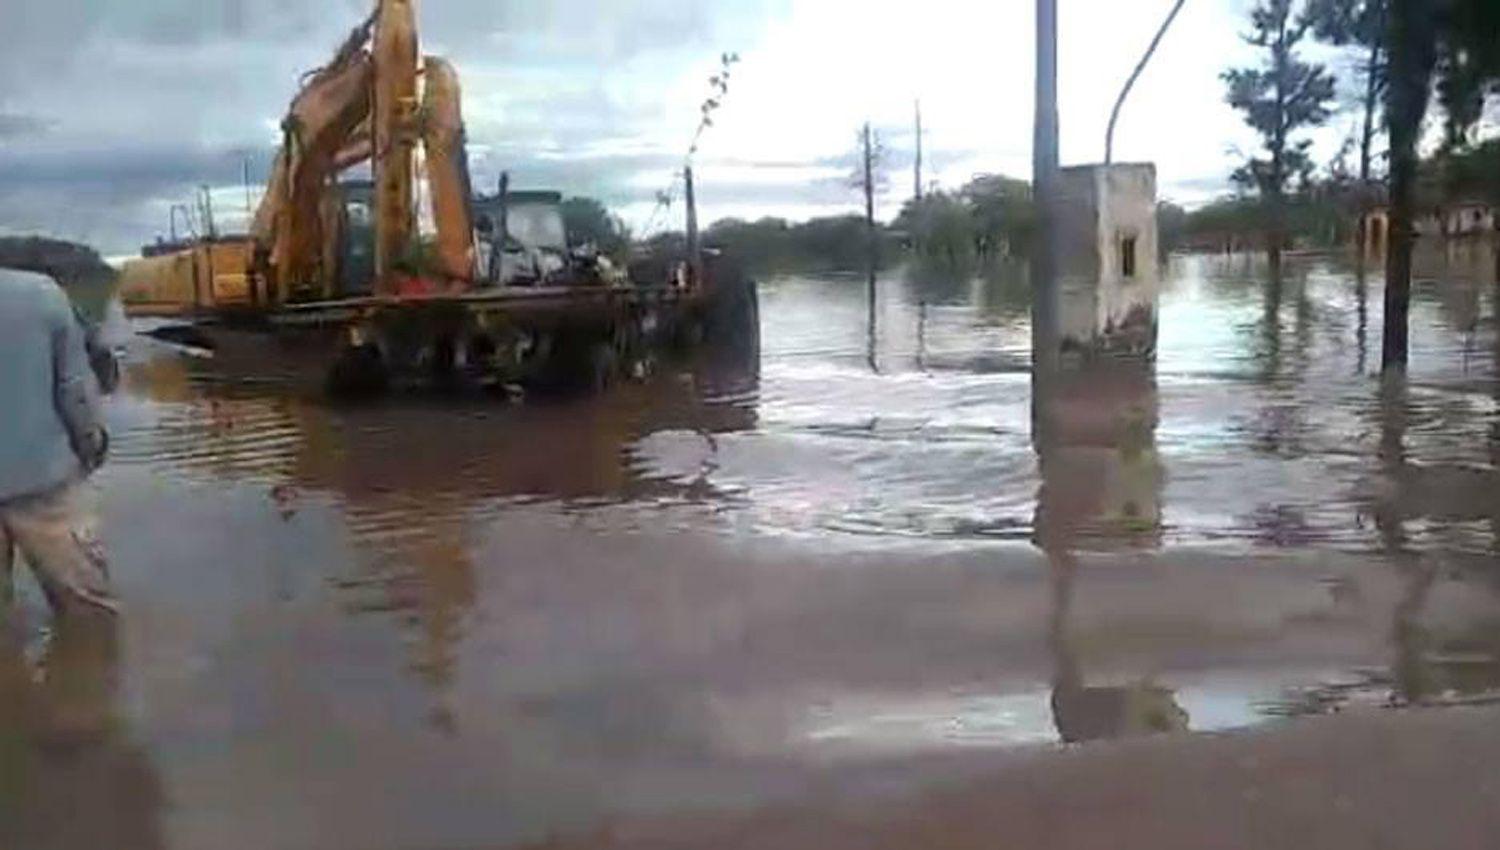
(1468, 65)
(1360, 25)
(589, 222)
(1278, 99)
(1003, 210)
(774, 244)
(1344, 23)
(940, 225)
(1468, 173)
(988, 218)
(1459, 42)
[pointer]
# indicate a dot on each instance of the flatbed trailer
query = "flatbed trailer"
(540, 337)
(553, 302)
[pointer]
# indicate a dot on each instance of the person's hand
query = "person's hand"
(106, 368)
(93, 454)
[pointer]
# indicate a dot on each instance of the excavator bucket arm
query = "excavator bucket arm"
(447, 169)
(288, 226)
(395, 134)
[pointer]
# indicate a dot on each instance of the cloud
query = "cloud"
(13, 125)
(143, 100)
(112, 110)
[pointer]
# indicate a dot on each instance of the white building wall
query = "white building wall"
(1101, 209)
(1128, 212)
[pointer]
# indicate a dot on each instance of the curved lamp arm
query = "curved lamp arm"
(1109, 139)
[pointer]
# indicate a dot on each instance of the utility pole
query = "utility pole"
(208, 211)
(694, 249)
(868, 146)
(1044, 166)
(868, 154)
(1044, 157)
(918, 191)
(504, 192)
(249, 207)
(1045, 332)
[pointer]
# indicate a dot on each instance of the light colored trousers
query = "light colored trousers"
(55, 533)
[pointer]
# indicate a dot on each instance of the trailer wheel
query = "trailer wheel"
(359, 372)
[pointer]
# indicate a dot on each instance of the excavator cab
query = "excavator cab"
(356, 238)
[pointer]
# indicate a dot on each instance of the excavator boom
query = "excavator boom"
(289, 223)
(364, 106)
(447, 169)
(395, 134)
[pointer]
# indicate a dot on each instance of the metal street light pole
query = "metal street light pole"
(1044, 167)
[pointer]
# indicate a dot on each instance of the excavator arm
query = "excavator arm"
(288, 229)
(447, 169)
(395, 127)
(364, 106)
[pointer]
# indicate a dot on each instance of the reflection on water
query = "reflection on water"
(70, 777)
(696, 587)
(1101, 486)
(416, 480)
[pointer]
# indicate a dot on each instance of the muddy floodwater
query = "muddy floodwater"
(457, 622)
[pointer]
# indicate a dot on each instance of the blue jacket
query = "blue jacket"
(51, 425)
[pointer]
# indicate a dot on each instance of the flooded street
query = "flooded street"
(441, 622)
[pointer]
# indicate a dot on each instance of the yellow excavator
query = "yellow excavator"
(337, 272)
(375, 101)
(362, 106)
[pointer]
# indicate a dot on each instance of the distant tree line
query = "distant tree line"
(769, 244)
(1326, 210)
(990, 217)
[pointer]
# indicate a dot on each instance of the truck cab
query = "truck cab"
(522, 240)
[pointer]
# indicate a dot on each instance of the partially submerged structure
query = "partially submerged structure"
(1108, 281)
(1456, 220)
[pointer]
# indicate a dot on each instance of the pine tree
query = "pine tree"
(1282, 97)
(1359, 25)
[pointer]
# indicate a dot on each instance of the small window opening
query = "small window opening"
(1127, 256)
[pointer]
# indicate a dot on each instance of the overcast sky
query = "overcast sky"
(113, 110)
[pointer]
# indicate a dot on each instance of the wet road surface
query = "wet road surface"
(452, 622)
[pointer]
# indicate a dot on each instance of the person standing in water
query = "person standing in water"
(52, 437)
